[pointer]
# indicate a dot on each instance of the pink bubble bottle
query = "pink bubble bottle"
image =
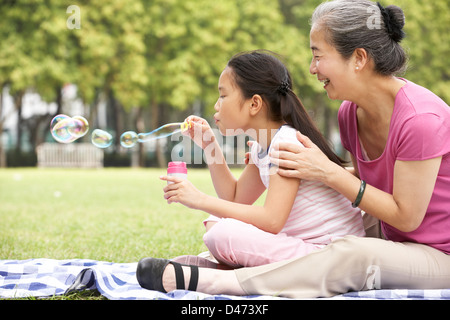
(177, 169)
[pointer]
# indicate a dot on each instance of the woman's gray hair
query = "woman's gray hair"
(352, 24)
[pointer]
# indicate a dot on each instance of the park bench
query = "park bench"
(74, 155)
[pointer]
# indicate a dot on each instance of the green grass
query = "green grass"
(116, 215)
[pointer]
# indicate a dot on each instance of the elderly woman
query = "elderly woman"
(398, 135)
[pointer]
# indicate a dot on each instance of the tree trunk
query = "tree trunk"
(18, 97)
(140, 126)
(160, 156)
(2, 149)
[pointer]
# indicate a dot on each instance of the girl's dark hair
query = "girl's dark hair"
(261, 72)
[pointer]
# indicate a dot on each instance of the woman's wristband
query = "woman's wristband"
(362, 188)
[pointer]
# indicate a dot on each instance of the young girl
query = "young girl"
(297, 217)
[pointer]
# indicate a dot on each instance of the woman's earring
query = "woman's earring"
(357, 68)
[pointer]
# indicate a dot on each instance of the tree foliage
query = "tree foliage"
(428, 43)
(148, 53)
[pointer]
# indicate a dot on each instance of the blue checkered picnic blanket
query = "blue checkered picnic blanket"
(117, 281)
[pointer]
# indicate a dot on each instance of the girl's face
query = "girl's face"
(329, 66)
(230, 107)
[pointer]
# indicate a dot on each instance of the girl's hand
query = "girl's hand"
(182, 191)
(199, 131)
(294, 161)
(248, 156)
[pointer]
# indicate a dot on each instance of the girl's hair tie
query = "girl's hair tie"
(283, 88)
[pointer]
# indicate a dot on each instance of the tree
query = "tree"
(146, 56)
(428, 44)
(32, 54)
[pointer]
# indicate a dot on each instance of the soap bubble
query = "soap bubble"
(163, 131)
(128, 139)
(65, 129)
(59, 127)
(80, 127)
(101, 138)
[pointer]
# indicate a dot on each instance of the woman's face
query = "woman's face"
(329, 66)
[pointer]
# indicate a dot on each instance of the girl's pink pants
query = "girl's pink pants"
(238, 244)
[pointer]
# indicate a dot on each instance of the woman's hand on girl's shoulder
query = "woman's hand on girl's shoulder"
(306, 162)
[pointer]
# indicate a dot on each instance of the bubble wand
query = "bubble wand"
(128, 139)
(164, 131)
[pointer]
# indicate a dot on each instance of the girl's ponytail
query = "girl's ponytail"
(294, 114)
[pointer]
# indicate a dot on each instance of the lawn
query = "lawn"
(116, 215)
